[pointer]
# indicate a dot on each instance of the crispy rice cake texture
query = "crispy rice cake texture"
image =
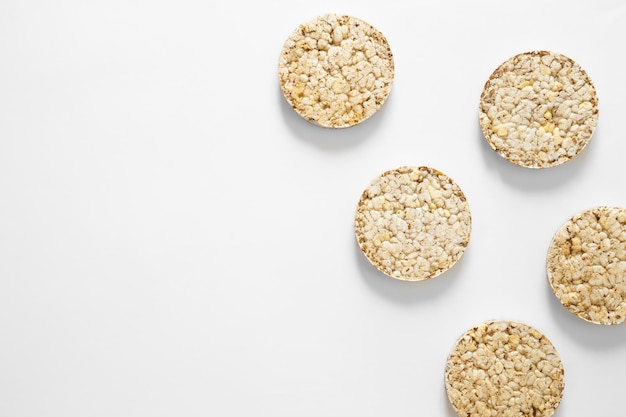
(413, 223)
(504, 368)
(586, 265)
(538, 109)
(336, 71)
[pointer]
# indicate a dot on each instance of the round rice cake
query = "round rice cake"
(413, 223)
(538, 109)
(504, 368)
(586, 265)
(336, 71)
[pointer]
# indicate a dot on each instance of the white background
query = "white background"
(176, 241)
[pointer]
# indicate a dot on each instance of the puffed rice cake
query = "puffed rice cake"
(413, 223)
(505, 369)
(538, 109)
(586, 265)
(336, 71)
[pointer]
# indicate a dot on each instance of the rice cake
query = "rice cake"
(336, 71)
(586, 265)
(505, 369)
(538, 109)
(413, 223)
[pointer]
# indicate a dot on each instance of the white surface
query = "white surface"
(176, 241)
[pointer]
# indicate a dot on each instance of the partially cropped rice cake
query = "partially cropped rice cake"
(586, 265)
(538, 109)
(413, 223)
(336, 71)
(504, 369)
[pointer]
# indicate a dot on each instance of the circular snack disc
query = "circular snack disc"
(586, 265)
(413, 223)
(336, 71)
(504, 368)
(538, 109)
